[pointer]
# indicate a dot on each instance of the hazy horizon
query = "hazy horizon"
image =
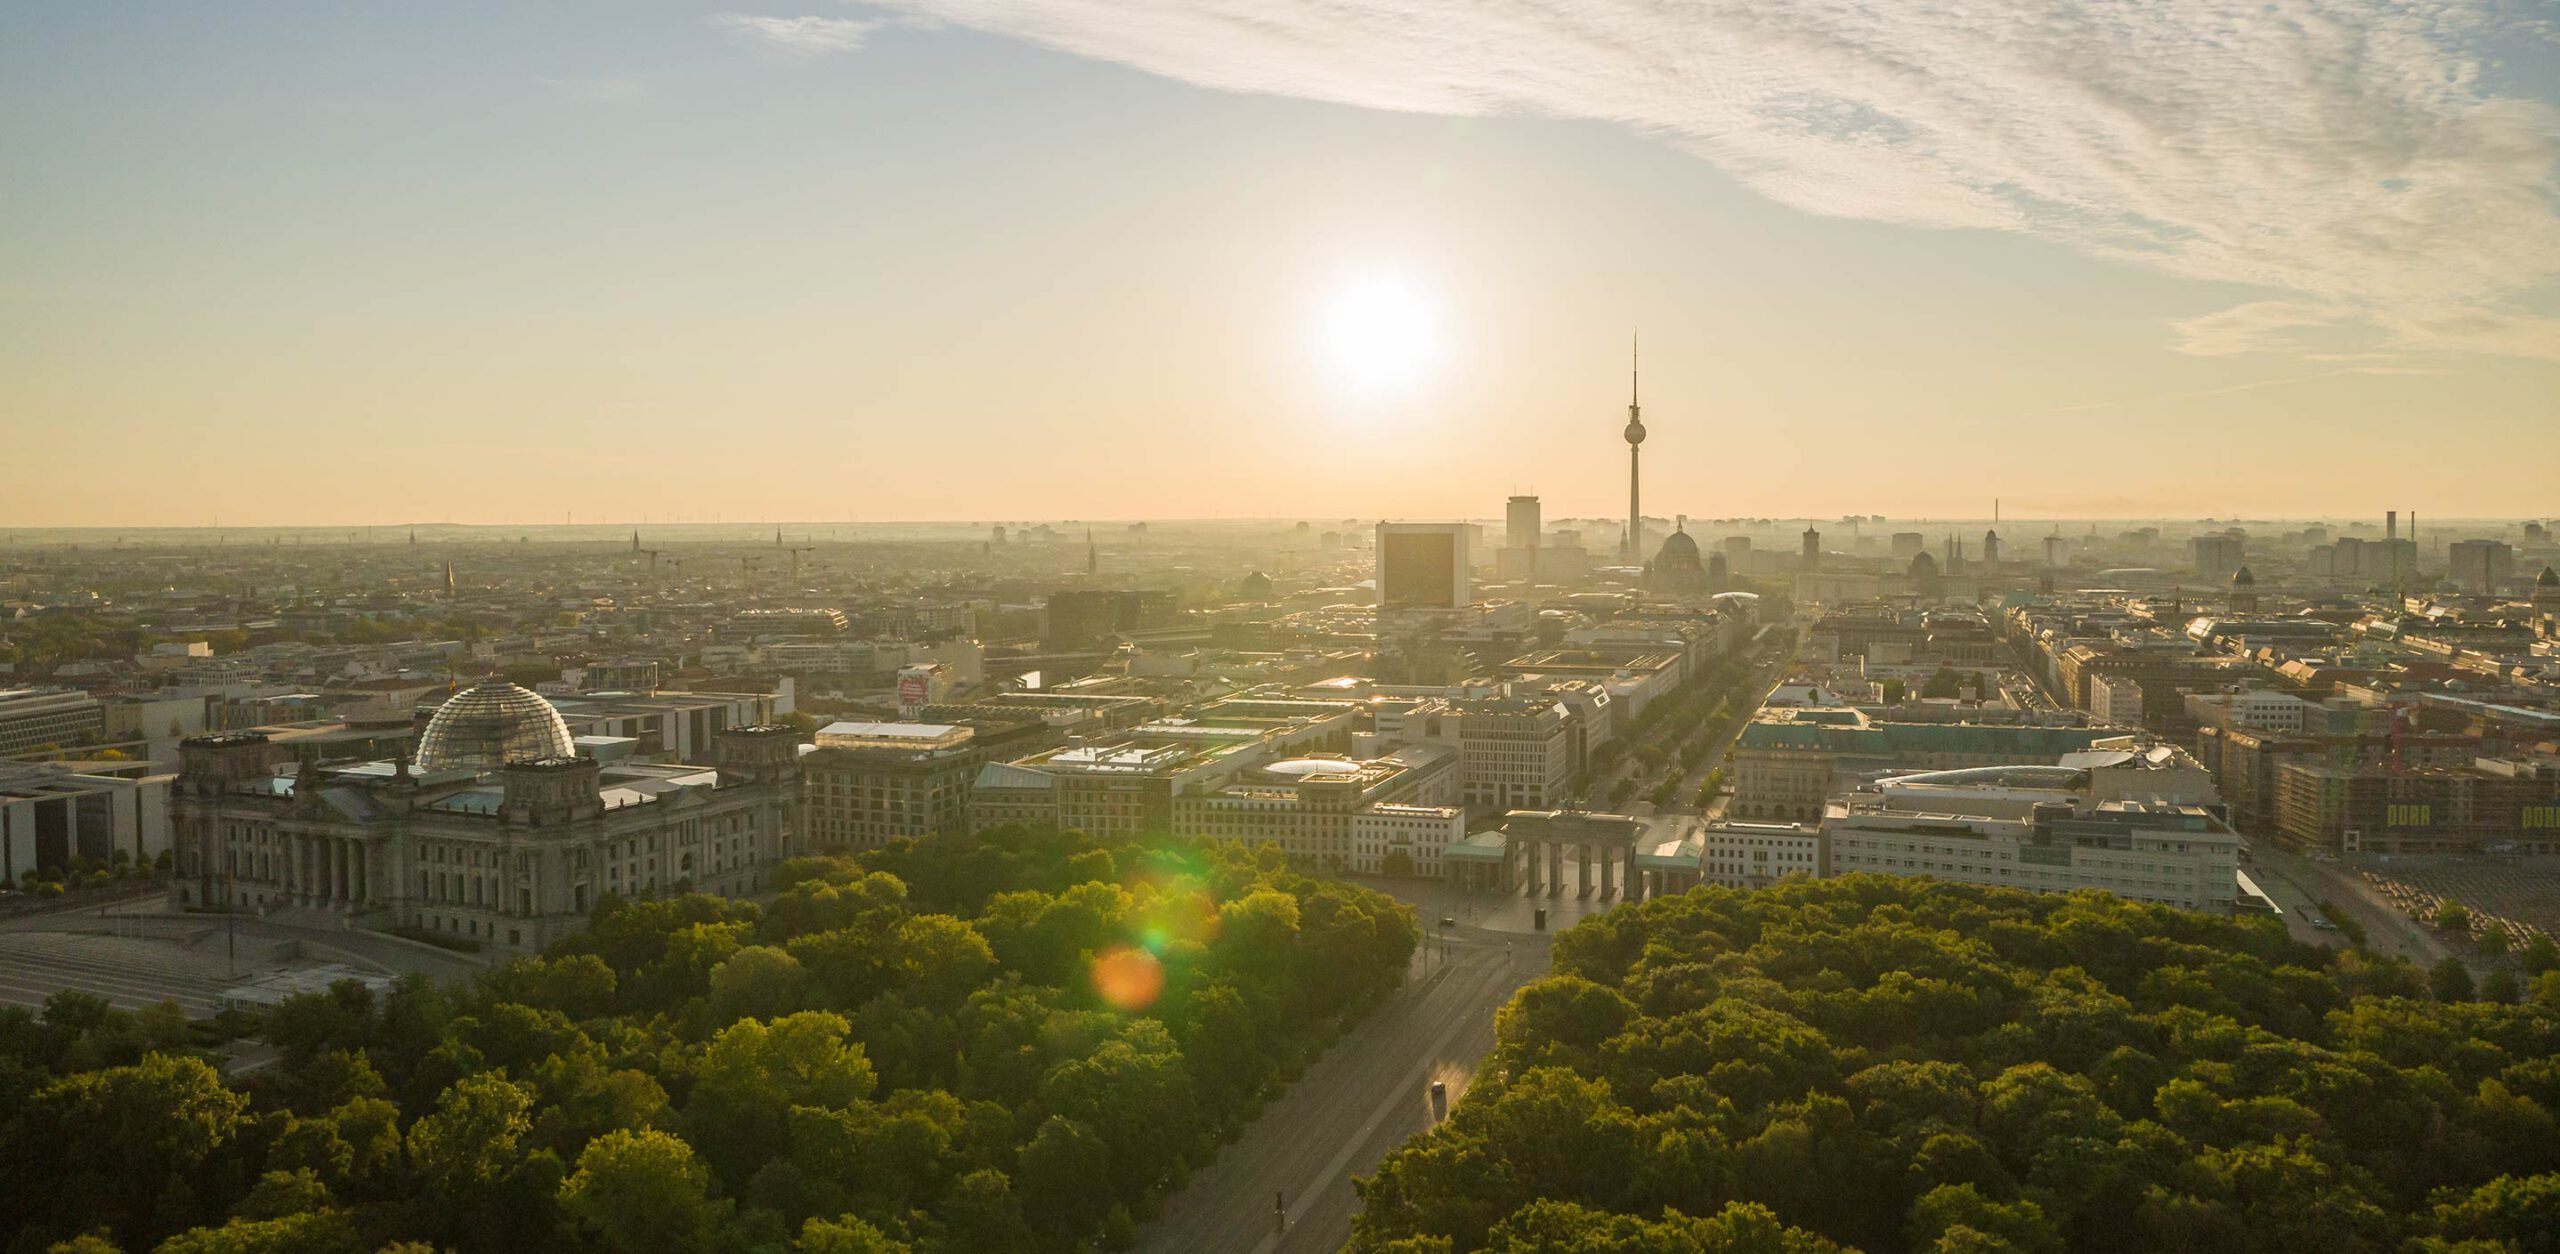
(1113, 533)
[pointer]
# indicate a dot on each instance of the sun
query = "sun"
(1380, 334)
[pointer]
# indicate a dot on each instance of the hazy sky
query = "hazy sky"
(476, 262)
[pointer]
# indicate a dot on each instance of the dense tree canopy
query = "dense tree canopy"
(1901, 1064)
(1007, 1042)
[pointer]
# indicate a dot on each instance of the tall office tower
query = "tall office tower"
(2483, 567)
(1082, 618)
(2054, 549)
(2390, 524)
(1520, 523)
(1909, 544)
(1635, 447)
(1991, 547)
(1422, 566)
(2217, 557)
(1812, 548)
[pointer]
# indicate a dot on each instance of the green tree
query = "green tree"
(643, 1191)
(2455, 918)
(1065, 1181)
(159, 1121)
(848, 1234)
(2450, 980)
(758, 982)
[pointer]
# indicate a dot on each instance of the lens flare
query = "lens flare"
(1127, 978)
(1173, 913)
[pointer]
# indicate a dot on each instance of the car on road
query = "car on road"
(2324, 925)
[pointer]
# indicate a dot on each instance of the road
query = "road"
(2298, 883)
(1362, 1099)
(1765, 676)
(1764, 680)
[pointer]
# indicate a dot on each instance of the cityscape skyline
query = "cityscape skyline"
(1012, 627)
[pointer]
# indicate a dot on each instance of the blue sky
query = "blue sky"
(973, 258)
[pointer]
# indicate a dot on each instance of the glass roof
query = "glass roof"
(490, 724)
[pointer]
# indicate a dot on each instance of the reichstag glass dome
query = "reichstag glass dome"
(490, 724)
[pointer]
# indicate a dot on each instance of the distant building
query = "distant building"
(2244, 591)
(1420, 835)
(1525, 554)
(2168, 855)
(1083, 618)
(872, 783)
(1521, 523)
(51, 813)
(1312, 806)
(1757, 855)
(1516, 750)
(2493, 805)
(2115, 700)
(1787, 763)
(1422, 566)
(2483, 567)
(1675, 566)
(32, 718)
(2217, 557)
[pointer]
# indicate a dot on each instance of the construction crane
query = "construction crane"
(653, 558)
(795, 551)
(751, 563)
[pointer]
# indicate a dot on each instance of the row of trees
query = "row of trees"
(1901, 1064)
(1671, 739)
(82, 872)
(1010, 1041)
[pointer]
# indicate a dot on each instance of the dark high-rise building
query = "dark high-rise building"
(1422, 566)
(1080, 618)
(2217, 556)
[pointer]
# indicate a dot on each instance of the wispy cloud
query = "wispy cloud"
(2344, 155)
(797, 36)
(2250, 386)
(595, 91)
